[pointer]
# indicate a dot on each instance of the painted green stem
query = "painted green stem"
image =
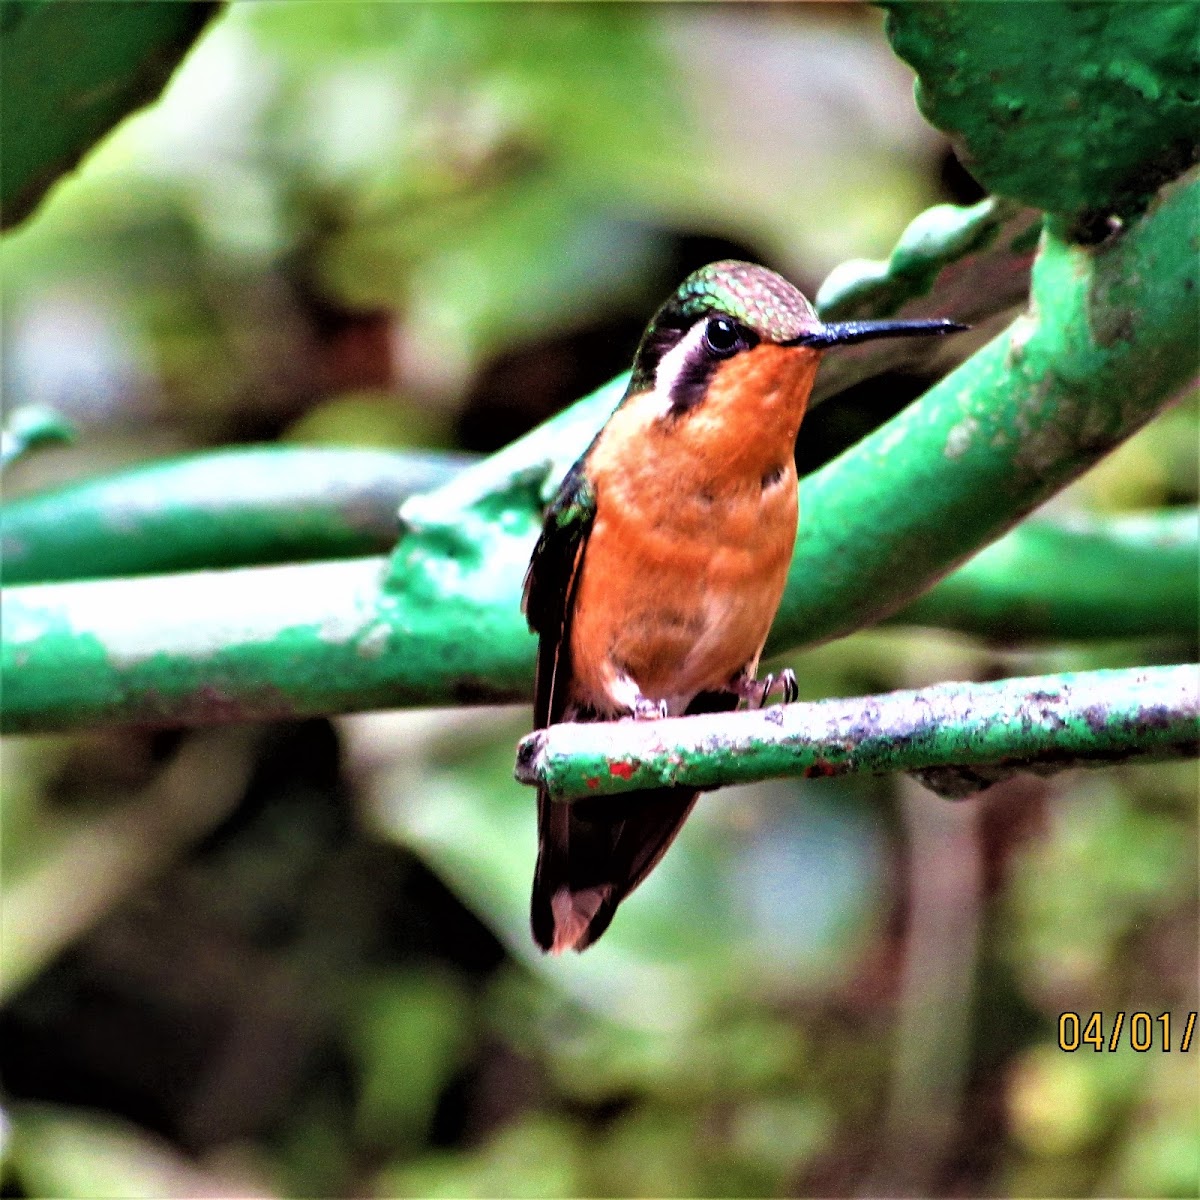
(255, 643)
(325, 637)
(1109, 342)
(978, 732)
(1045, 579)
(228, 508)
(29, 428)
(1083, 577)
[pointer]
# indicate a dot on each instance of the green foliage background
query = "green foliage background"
(296, 962)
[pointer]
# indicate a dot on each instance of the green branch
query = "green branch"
(1108, 342)
(228, 508)
(960, 737)
(232, 645)
(1061, 578)
(1071, 578)
(31, 427)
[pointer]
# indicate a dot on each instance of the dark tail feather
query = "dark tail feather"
(592, 854)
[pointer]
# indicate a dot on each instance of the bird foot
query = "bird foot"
(649, 710)
(756, 691)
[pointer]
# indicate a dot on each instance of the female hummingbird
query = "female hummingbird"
(663, 558)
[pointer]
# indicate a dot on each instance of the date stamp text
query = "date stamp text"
(1141, 1031)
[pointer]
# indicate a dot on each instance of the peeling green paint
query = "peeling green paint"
(1031, 410)
(879, 525)
(982, 731)
(262, 642)
(1079, 109)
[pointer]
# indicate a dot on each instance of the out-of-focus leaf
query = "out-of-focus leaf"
(735, 1051)
(91, 1156)
(824, 97)
(1105, 867)
(478, 271)
(775, 1135)
(476, 175)
(655, 1150)
(543, 1156)
(470, 152)
(369, 419)
(94, 859)
(410, 1034)
(1162, 1154)
(107, 58)
(1061, 1102)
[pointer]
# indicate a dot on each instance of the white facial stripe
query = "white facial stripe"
(673, 362)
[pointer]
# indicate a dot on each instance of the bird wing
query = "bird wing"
(591, 854)
(549, 595)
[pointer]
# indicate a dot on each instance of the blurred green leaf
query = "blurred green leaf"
(1105, 867)
(1062, 1102)
(738, 1050)
(369, 419)
(1160, 1152)
(778, 1134)
(542, 1156)
(411, 1033)
(93, 1156)
(108, 59)
(654, 1150)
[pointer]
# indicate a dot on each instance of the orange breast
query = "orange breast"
(695, 525)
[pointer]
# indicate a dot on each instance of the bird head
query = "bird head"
(731, 308)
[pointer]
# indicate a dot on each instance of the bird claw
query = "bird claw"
(649, 710)
(788, 686)
(756, 691)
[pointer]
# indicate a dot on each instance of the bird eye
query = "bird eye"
(723, 337)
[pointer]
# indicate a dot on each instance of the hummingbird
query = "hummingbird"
(662, 561)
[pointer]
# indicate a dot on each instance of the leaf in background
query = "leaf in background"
(411, 1032)
(540, 1156)
(108, 59)
(1107, 866)
(94, 1156)
(810, 154)
(475, 176)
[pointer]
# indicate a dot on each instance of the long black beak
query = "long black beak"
(846, 333)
